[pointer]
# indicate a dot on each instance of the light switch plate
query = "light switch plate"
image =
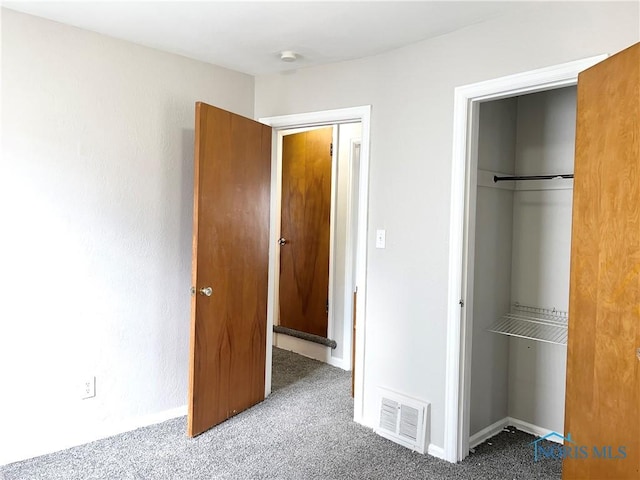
(381, 238)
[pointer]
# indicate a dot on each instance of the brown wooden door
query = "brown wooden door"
(230, 255)
(603, 363)
(305, 225)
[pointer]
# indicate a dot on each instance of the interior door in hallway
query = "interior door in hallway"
(603, 356)
(305, 230)
(232, 182)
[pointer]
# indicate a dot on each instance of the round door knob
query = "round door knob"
(206, 291)
(282, 241)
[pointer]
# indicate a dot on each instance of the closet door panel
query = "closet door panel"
(603, 365)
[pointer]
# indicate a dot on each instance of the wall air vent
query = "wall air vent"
(403, 420)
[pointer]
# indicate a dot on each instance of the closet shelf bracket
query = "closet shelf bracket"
(535, 323)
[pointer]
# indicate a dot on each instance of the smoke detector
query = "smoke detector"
(288, 56)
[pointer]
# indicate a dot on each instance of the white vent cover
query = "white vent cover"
(403, 420)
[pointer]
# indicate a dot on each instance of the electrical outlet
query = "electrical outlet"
(88, 388)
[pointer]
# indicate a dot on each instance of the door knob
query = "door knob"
(206, 291)
(282, 241)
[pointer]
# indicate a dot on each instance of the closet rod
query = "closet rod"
(532, 177)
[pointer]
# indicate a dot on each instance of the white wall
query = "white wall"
(96, 198)
(541, 252)
(411, 91)
(96, 205)
(492, 266)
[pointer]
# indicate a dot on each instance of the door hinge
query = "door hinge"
(461, 302)
(327, 306)
(331, 150)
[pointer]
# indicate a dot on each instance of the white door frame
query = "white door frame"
(328, 117)
(460, 298)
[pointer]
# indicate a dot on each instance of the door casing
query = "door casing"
(327, 117)
(463, 189)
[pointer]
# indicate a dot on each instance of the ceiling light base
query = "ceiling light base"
(288, 56)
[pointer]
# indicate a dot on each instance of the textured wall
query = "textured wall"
(96, 196)
(411, 93)
(96, 188)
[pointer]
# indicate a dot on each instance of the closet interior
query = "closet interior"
(519, 263)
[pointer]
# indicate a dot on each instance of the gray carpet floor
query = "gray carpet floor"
(304, 430)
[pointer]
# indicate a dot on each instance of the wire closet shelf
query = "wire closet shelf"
(535, 323)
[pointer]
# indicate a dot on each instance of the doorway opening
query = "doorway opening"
(347, 240)
(466, 179)
(318, 241)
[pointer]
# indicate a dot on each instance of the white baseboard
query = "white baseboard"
(302, 347)
(308, 349)
(488, 432)
(99, 432)
(339, 362)
(495, 428)
(532, 429)
(435, 451)
(144, 421)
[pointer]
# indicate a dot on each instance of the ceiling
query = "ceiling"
(249, 36)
